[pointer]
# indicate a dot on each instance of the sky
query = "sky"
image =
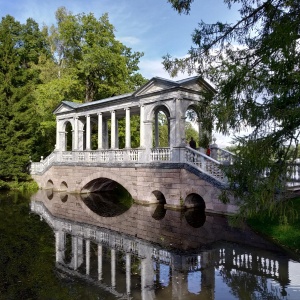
(149, 26)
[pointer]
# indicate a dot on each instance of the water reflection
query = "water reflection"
(147, 252)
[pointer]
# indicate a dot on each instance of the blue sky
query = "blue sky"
(152, 27)
(149, 26)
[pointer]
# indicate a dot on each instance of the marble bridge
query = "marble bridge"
(88, 156)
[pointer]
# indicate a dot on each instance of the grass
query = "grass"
(283, 231)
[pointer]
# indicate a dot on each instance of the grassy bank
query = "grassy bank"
(287, 233)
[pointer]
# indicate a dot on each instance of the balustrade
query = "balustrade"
(160, 154)
(182, 155)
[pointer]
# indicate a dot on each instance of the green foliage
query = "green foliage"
(20, 47)
(79, 60)
(254, 65)
(86, 49)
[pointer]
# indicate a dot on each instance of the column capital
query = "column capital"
(99, 113)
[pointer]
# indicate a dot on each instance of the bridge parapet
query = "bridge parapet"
(186, 155)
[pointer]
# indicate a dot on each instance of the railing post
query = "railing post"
(214, 151)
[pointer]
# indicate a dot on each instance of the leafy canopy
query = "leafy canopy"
(254, 64)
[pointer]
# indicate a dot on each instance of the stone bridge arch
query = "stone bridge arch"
(106, 176)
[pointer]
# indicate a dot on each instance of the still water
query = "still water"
(63, 246)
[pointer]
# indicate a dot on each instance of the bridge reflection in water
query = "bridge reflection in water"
(147, 252)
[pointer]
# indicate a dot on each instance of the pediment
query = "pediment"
(155, 85)
(64, 107)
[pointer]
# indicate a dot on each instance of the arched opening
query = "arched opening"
(68, 136)
(63, 186)
(194, 200)
(159, 197)
(192, 126)
(161, 128)
(106, 197)
(49, 184)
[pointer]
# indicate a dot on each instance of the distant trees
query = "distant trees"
(79, 59)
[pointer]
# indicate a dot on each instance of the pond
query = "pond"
(65, 246)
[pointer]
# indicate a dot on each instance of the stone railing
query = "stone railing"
(198, 160)
(161, 154)
(205, 163)
(223, 156)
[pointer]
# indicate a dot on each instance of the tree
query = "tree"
(20, 48)
(254, 64)
(87, 47)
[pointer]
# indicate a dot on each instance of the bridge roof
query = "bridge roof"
(154, 85)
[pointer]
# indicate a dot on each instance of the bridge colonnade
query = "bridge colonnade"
(157, 96)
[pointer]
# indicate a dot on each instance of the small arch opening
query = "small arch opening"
(49, 184)
(69, 137)
(159, 197)
(63, 186)
(161, 127)
(194, 200)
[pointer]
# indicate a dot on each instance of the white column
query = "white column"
(156, 131)
(105, 134)
(57, 146)
(88, 133)
(75, 133)
(87, 256)
(117, 134)
(128, 273)
(100, 267)
(59, 246)
(113, 130)
(113, 268)
(142, 129)
(75, 252)
(100, 131)
(127, 129)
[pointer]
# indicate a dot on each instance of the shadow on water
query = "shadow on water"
(108, 203)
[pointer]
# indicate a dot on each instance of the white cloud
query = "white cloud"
(129, 40)
(154, 68)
